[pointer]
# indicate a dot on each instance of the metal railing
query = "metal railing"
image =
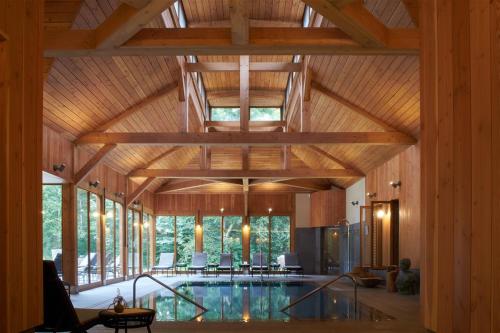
(312, 292)
(167, 287)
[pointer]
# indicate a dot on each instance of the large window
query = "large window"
(114, 239)
(232, 237)
(52, 224)
(176, 234)
(212, 237)
(270, 235)
(225, 114)
(265, 114)
(133, 221)
(165, 235)
(89, 234)
(147, 221)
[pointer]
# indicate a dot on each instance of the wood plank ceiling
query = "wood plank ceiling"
(82, 93)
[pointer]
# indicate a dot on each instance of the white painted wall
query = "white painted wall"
(355, 192)
(302, 210)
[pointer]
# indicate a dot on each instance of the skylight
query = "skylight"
(265, 114)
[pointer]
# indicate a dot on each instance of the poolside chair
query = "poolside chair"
(292, 263)
(165, 263)
(259, 263)
(59, 313)
(198, 262)
(226, 264)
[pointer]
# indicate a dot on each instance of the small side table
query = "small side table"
(129, 318)
(245, 267)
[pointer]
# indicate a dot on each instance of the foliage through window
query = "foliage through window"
(212, 237)
(147, 222)
(52, 224)
(113, 244)
(269, 235)
(88, 235)
(176, 234)
(225, 114)
(265, 114)
(165, 235)
(133, 220)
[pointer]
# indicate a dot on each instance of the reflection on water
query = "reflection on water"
(259, 301)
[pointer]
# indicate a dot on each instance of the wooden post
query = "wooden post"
(21, 79)
(69, 234)
(460, 114)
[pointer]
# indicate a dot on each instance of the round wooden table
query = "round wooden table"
(129, 318)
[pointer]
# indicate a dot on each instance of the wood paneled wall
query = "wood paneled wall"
(404, 167)
(21, 79)
(327, 207)
(460, 91)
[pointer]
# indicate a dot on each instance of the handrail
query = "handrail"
(312, 292)
(167, 287)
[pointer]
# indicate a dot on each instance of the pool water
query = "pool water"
(256, 301)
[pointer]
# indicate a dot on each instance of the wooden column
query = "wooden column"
(460, 112)
(69, 232)
(21, 78)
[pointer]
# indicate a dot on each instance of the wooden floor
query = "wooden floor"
(404, 308)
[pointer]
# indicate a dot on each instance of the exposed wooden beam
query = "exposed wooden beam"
(93, 162)
(157, 158)
(354, 19)
(258, 97)
(244, 92)
(126, 21)
(246, 189)
(217, 41)
(329, 156)
(245, 163)
(305, 184)
(183, 186)
(204, 67)
(413, 10)
(137, 193)
(254, 174)
(169, 88)
(248, 138)
(136, 3)
(240, 24)
(353, 107)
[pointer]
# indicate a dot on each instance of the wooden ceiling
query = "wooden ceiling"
(350, 91)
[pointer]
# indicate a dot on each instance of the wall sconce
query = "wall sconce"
(59, 167)
(354, 203)
(270, 210)
(94, 184)
(371, 195)
(380, 213)
(395, 183)
(119, 194)
(222, 210)
(198, 227)
(246, 227)
(136, 203)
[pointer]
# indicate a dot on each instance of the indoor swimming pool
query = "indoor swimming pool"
(256, 301)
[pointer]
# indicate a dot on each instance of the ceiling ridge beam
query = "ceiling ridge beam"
(253, 174)
(248, 138)
(92, 163)
(126, 21)
(138, 191)
(240, 23)
(252, 22)
(353, 107)
(207, 67)
(217, 41)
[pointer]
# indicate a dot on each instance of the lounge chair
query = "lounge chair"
(226, 264)
(198, 262)
(259, 263)
(59, 313)
(165, 263)
(292, 263)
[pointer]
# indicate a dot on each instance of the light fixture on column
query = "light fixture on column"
(59, 167)
(395, 183)
(354, 203)
(371, 195)
(270, 210)
(94, 184)
(222, 210)
(119, 194)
